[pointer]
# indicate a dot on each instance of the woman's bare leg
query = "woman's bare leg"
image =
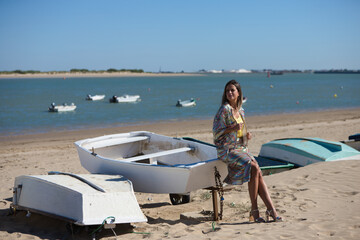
(265, 195)
(253, 187)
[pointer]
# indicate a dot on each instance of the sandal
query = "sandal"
(252, 218)
(270, 213)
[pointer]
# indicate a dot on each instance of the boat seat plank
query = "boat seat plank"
(118, 141)
(158, 154)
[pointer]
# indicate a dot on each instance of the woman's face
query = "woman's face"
(232, 93)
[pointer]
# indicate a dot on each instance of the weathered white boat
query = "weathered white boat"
(95, 97)
(186, 103)
(84, 199)
(304, 151)
(154, 163)
(62, 108)
(125, 98)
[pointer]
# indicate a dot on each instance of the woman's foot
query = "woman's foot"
(255, 216)
(271, 213)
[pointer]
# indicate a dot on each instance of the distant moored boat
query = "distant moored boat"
(95, 97)
(62, 108)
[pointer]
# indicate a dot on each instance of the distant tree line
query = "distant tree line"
(110, 70)
(74, 70)
(20, 72)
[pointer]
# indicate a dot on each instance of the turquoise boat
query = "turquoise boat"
(267, 166)
(305, 151)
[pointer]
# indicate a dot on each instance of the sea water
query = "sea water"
(24, 102)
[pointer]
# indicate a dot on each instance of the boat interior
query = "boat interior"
(147, 150)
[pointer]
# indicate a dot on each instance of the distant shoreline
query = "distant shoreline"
(65, 75)
(104, 74)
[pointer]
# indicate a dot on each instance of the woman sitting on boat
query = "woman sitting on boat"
(230, 138)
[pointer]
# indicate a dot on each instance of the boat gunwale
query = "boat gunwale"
(137, 134)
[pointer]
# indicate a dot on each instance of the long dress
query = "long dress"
(231, 149)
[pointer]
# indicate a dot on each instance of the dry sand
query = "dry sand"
(319, 201)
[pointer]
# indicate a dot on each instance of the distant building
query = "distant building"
(241, 71)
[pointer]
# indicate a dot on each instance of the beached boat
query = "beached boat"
(62, 108)
(154, 163)
(305, 151)
(125, 99)
(84, 199)
(186, 103)
(267, 166)
(95, 97)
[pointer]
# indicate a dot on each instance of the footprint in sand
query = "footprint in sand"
(3, 203)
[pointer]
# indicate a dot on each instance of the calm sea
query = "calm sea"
(24, 102)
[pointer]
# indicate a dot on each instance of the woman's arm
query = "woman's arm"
(221, 127)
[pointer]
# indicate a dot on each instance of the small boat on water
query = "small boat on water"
(125, 99)
(153, 163)
(186, 103)
(305, 151)
(95, 97)
(83, 199)
(62, 108)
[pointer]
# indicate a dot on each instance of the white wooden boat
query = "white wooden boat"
(95, 97)
(305, 151)
(186, 103)
(125, 99)
(84, 199)
(62, 108)
(154, 163)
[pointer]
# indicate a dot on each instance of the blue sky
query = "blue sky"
(177, 35)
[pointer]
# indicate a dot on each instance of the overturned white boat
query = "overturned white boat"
(154, 163)
(186, 103)
(125, 99)
(84, 199)
(95, 97)
(62, 108)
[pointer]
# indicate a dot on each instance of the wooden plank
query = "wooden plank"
(157, 154)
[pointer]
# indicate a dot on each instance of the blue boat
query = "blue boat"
(305, 151)
(267, 166)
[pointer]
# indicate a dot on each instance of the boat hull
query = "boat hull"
(186, 103)
(181, 172)
(125, 99)
(95, 97)
(73, 199)
(305, 151)
(62, 108)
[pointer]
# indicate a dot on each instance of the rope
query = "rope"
(213, 226)
(113, 218)
(220, 188)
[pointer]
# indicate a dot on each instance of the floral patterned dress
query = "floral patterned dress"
(232, 150)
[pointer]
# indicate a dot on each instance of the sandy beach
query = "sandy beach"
(319, 201)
